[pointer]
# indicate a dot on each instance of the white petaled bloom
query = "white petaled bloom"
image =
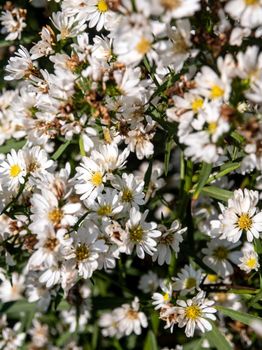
(168, 243)
(98, 13)
(131, 190)
(37, 162)
(12, 290)
(68, 26)
(46, 211)
(85, 249)
(149, 282)
(109, 325)
(219, 255)
(249, 261)
(240, 216)
(20, 66)
(194, 313)
(180, 8)
(106, 204)
(130, 319)
(13, 170)
(13, 23)
(12, 338)
(162, 299)
(90, 178)
(248, 12)
(44, 47)
(188, 280)
(140, 234)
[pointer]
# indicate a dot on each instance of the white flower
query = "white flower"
(20, 66)
(249, 12)
(130, 319)
(68, 26)
(241, 215)
(249, 261)
(188, 280)
(179, 9)
(194, 313)
(12, 290)
(162, 299)
(13, 23)
(149, 282)
(12, 339)
(98, 13)
(168, 243)
(219, 254)
(13, 170)
(140, 234)
(106, 204)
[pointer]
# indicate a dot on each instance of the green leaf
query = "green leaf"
(203, 177)
(238, 316)
(217, 193)
(150, 342)
(224, 170)
(217, 339)
(81, 146)
(14, 309)
(236, 136)
(60, 150)
(168, 148)
(255, 299)
(12, 144)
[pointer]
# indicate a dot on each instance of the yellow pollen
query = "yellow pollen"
(221, 253)
(166, 297)
(127, 195)
(102, 6)
(55, 216)
(82, 252)
(107, 136)
(244, 222)
(136, 233)
(212, 278)
(143, 46)
(104, 210)
(251, 2)
(251, 263)
(212, 127)
(197, 104)
(193, 312)
(216, 92)
(190, 283)
(97, 178)
(15, 170)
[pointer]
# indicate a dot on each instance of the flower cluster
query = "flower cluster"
(130, 174)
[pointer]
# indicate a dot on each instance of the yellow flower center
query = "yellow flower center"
(193, 312)
(51, 243)
(104, 210)
(216, 92)
(143, 46)
(244, 222)
(55, 216)
(166, 297)
(212, 127)
(97, 178)
(251, 263)
(197, 104)
(15, 170)
(102, 6)
(136, 233)
(82, 252)
(251, 2)
(212, 278)
(190, 283)
(127, 195)
(221, 253)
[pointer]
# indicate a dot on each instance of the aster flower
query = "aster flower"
(13, 170)
(20, 66)
(188, 280)
(249, 12)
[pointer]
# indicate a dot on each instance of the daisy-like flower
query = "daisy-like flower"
(179, 9)
(11, 290)
(13, 23)
(249, 12)
(240, 216)
(149, 282)
(168, 242)
(140, 234)
(12, 338)
(219, 254)
(188, 280)
(90, 178)
(162, 299)
(194, 313)
(37, 162)
(106, 204)
(249, 260)
(13, 170)
(20, 66)
(130, 319)
(68, 26)
(84, 252)
(98, 13)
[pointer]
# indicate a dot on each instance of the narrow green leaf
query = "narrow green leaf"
(194, 345)
(236, 136)
(81, 147)
(217, 193)
(12, 144)
(150, 342)
(238, 316)
(60, 150)
(217, 339)
(168, 147)
(203, 177)
(255, 299)
(224, 170)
